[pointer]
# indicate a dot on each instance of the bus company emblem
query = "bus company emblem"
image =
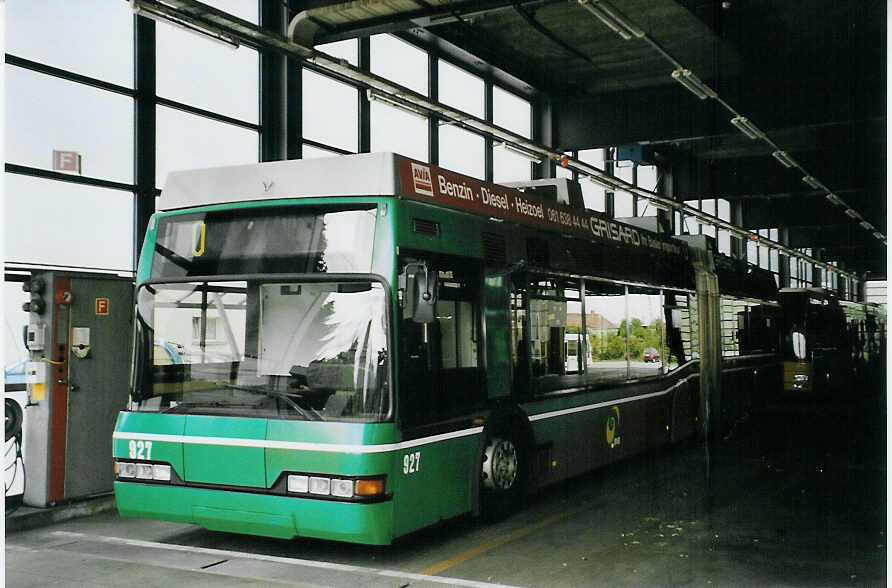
(612, 428)
(421, 180)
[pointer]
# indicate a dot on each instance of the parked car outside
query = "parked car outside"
(651, 355)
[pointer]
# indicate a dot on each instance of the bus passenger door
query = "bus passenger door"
(441, 385)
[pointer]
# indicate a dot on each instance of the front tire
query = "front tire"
(503, 477)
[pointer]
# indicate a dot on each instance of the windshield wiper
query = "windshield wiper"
(210, 404)
(286, 396)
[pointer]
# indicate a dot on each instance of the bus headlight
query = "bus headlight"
(345, 488)
(342, 488)
(134, 470)
(145, 471)
(320, 485)
(161, 472)
(125, 469)
(298, 483)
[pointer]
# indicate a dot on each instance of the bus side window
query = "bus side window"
(440, 360)
(555, 321)
(681, 329)
(605, 315)
(520, 352)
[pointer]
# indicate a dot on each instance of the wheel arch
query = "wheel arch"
(512, 420)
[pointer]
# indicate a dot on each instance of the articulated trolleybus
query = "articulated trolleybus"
(358, 347)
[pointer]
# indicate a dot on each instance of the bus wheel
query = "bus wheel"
(502, 477)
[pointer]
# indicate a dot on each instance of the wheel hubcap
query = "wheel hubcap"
(500, 464)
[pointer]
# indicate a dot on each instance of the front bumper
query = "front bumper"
(284, 517)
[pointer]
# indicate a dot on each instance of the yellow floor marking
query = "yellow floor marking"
(465, 556)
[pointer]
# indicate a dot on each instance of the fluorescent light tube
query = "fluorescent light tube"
(509, 147)
(866, 225)
(783, 158)
(834, 199)
(851, 213)
(812, 181)
(613, 18)
(746, 127)
(376, 97)
(686, 78)
(879, 235)
(657, 204)
(206, 32)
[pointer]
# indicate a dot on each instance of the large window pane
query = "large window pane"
(399, 62)
(645, 208)
(398, 131)
(510, 167)
(622, 204)
(347, 49)
(81, 226)
(311, 152)
(511, 112)
(330, 111)
(214, 77)
(44, 114)
(623, 170)
(752, 252)
(461, 90)
(563, 172)
(723, 211)
(462, 151)
(244, 9)
(647, 177)
(186, 141)
(89, 37)
(593, 194)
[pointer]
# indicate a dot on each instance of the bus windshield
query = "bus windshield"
(282, 349)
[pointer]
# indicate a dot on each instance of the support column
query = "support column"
(783, 260)
(365, 108)
(487, 141)
(144, 129)
(542, 127)
(273, 86)
(433, 124)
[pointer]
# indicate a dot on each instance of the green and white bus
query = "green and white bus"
(358, 347)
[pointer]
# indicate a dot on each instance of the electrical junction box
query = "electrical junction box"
(35, 336)
(78, 379)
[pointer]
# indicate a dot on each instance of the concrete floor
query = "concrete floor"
(794, 497)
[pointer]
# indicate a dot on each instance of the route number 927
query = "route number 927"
(140, 450)
(412, 462)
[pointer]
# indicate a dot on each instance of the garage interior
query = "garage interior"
(759, 124)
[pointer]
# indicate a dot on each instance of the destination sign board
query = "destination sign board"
(430, 183)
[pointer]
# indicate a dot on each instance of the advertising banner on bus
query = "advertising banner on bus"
(436, 185)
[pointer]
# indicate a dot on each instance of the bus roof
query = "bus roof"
(389, 174)
(366, 174)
